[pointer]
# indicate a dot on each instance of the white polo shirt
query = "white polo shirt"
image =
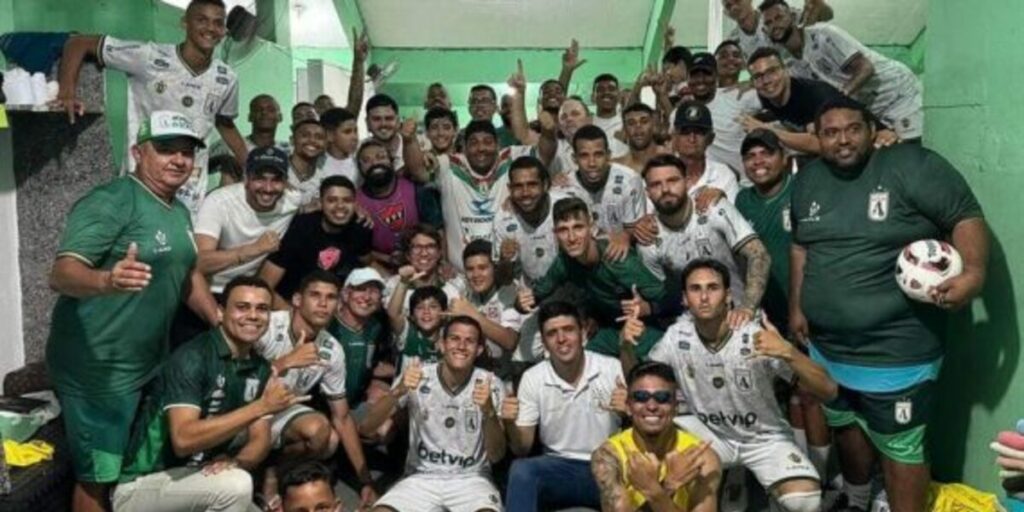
(572, 422)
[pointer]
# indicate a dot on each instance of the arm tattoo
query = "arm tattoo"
(605, 466)
(758, 266)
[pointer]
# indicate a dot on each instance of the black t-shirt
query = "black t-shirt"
(307, 247)
(805, 98)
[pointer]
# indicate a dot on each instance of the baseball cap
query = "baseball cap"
(166, 125)
(270, 158)
(760, 137)
(361, 276)
(692, 114)
(705, 61)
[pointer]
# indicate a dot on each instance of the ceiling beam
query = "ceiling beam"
(661, 13)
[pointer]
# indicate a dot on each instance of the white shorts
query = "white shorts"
(440, 493)
(902, 110)
(772, 461)
(281, 420)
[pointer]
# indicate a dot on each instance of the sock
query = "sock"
(819, 458)
(858, 495)
(800, 436)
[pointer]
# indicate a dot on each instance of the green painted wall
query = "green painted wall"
(975, 118)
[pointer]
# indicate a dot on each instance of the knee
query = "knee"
(332, 445)
(234, 486)
(801, 501)
(521, 472)
(316, 433)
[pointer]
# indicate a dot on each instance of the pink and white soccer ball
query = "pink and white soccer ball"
(925, 264)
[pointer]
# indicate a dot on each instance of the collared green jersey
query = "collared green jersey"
(769, 216)
(200, 374)
(359, 349)
(606, 341)
(112, 344)
(853, 226)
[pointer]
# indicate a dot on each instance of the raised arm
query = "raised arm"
(360, 50)
(230, 135)
(520, 125)
(570, 61)
(812, 377)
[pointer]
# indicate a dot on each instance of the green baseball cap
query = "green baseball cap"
(165, 125)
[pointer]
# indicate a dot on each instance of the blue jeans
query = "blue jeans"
(549, 481)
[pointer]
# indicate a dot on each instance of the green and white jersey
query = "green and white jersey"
(159, 79)
(469, 201)
(112, 344)
(769, 216)
(359, 346)
(413, 342)
(498, 307)
(619, 203)
(202, 375)
(538, 246)
(717, 234)
(330, 373)
(853, 226)
(730, 391)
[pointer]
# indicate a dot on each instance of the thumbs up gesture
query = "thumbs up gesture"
(412, 375)
(618, 399)
(769, 343)
(129, 274)
(509, 407)
(632, 327)
(304, 354)
(482, 395)
(525, 301)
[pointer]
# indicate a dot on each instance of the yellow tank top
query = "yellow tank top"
(625, 445)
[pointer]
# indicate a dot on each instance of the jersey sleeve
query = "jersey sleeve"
(661, 351)
(332, 384)
(131, 57)
(731, 223)
(939, 191)
(211, 214)
(229, 106)
(93, 227)
(781, 370)
(529, 401)
(837, 45)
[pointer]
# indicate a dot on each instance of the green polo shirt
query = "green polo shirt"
(201, 374)
(606, 341)
(359, 345)
(853, 225)
(112, 344)
(769, 216)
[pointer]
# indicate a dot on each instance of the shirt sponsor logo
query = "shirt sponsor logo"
(720, 419)
(252, 387)
(904, 411)
(223, 80)
(482, 207)
(878, 206)
(222, 69)
(813, 213)
(187, 101)
(787, 222)
(443, 457)
(161, 63)
(328, 258)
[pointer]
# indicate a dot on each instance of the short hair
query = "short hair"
(638, 107)
(589, 132)
(464, 320)
(484, 87)
(763, 52)
(336, 181)
(439, 113)
(381, 100)
(226, 164)
(768, 4)
(415, 230)
(569, 208)
(665, 160)
(605, 77)
(530, 162)
(551, 81)
(678, 55)
(436, 85)
(334, 117)
(710, 264)
(243, 280)
(197, 3)
(300, 105)
(728, 42)
(478, 247)
(370, 143)
(480, 126)
(304, 473)
(424, 293)
(651, 369)
(262, 96)
(318, 276)
(843, 101)
(322, 96)
(556, 308)
(576, 97)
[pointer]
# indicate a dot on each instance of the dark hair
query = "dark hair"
(424, 293)
(381, 100)
(478, 247)
(464, 320)
(322, 96)
(710, 264)
(651, 369)
(843, 102)
(569, 208)
(439, 113)
(263, 96)
(550, 81)
(678, 55)
(768, 4)
(589, 132)
(318, 276)
(665, 160)
(333, 117)
(197, 3)
(530, 162)
(436, 85)
(370, 143)
(638, 107)
(763, 52)
(301, 104)
(728, 42)
(483, 125)
(605, 77)
(226, 164)
(416, 230)
(304, 473)
(484, 87)
(556, 308)
(336, 181)
(243, 280)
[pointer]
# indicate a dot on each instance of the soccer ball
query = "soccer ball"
(923, 265)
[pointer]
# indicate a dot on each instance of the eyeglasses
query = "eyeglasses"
(772, 71)
(662, 396)
(422, 247)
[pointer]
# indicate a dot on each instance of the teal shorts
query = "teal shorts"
(97, 431)
(895, 422)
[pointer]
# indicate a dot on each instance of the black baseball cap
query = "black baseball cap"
(762, 137)
(267, 159)
(692, 114)
(704, 61)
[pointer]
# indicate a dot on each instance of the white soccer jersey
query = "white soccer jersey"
(159, 79)
(469, 202)
(346, 167)
(717, 175)
(731, 392)
(309, 189)
(726, 110)
(717, 234)
(620, 203)
(446, 434)
(563, 162)
(277, 342)
(498, 307)
(538, 246)
(611, 126)
(750, 42)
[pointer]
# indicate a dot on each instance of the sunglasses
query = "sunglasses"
(662, 397)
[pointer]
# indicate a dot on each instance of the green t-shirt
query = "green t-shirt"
(359, 349)
(769, 216)
(200, 374)
(606, 341)
(419, 345)
(112, 344)
(605, 285)
(853, 227)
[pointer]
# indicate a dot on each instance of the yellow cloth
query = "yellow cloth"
(962, 498)
(3, 117)
(26, 454)
(625, 445)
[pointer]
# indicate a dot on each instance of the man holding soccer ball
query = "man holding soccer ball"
(853, 211)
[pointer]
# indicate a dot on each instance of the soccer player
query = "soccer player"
(751, 31)
(436, 97)
(454, 431)
(421, 245)
(442, 127)
(203, 425)
(571, 401)
(306, 162)
(853, 211)
(125, 262)
(640, 124)
(309, 487)
(185, 78)
(727, 373)
(654, 465)
(483, 104)
(605, 96)
(264, 115)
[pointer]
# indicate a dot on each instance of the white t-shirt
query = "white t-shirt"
(620, 203)
(498, 307)
(446, 429)
(726, 109)
(227, 217)
(571, 419)
(277, 342)
(309, 189)
(347, 168)
(717, 175)
(158, 79)
(612, 125)
(732, 393)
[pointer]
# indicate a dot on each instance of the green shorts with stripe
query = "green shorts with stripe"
(98, 430)
(895, 422)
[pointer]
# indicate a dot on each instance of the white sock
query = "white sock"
(819, 457)
(858, 495)
(800, 436)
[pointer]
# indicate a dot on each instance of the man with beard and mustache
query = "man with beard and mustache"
(640, 124)
(329, 239)
(384, 126)
(751, 30)
(826, 52)
(853, 211)
(605, 96)
(684, 234)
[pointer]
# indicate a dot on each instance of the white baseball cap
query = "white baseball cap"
(167, 124)
(361, 276)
